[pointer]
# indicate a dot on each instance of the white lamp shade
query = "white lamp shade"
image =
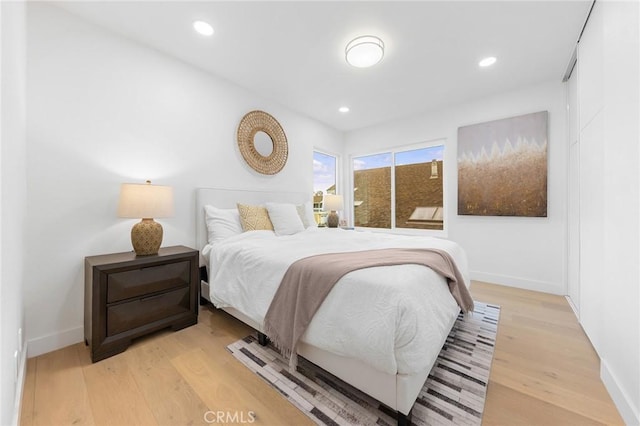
(333, 202)
(140, 201)
(364, 51)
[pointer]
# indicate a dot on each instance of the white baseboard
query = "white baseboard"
(518, 282)
(55, 341)
(629, 413)
(22, 375)
(573, 307)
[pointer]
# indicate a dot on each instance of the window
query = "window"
(372, 190)
(400, 189)
(324, 182)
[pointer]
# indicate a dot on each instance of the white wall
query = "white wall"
(521, 252)
(103, 110)
(621, 355)
(609, 104)
(12, 205)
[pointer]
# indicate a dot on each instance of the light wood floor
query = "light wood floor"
(544, 372)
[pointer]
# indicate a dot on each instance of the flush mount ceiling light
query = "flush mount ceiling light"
(343, 109)
(486, 62)
(203, 28)
(364, 51)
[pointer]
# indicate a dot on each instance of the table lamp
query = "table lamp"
(145, 201)
(332, 203)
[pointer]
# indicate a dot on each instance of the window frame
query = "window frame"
(338, 170)
(393, 151)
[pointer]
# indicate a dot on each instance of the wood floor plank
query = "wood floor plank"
(59, 381)
(560, 355)
(218, 320)
(168, 395)
(554, 390)
(213, 342)
(28, 403)
(114, 394)
(84, 355)
(559, 360)
(530, 411)
(229, 394)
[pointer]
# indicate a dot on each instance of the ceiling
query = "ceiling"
(293, 52)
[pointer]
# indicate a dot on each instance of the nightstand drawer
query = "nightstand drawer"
(129, 315)
(139, 282)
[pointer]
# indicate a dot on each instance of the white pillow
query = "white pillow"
(284, 218)
(305, 211)
(221, 223)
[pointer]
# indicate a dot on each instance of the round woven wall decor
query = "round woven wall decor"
(259, 121)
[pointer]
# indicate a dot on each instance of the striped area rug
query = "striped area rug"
(453, 394)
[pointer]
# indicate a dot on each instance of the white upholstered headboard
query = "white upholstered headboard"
(225, 198)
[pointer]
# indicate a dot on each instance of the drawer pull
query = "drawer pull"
(155, 296)
(140, 282)
(146, 310)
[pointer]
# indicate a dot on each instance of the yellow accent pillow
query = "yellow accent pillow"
(254, 218)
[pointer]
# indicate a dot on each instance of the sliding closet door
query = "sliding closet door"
(573, 264)
(591, 155)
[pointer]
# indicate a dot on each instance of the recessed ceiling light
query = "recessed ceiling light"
(343, 109)
(488, 61)
(203, 28)
(364, 51)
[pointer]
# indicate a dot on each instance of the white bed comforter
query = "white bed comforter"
(394, 318)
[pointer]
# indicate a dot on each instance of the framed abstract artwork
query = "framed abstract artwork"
(502, 167)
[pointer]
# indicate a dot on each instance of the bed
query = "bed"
(388, 361)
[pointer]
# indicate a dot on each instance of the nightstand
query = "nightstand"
(127, 296)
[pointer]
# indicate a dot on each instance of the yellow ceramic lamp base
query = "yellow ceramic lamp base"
(146, 237)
